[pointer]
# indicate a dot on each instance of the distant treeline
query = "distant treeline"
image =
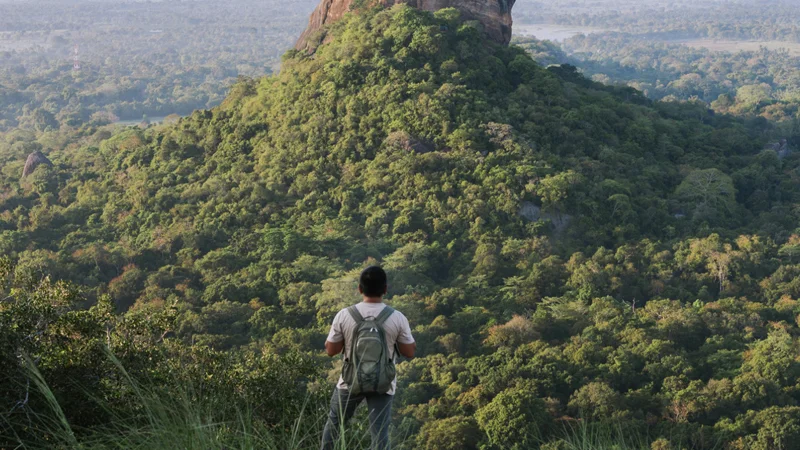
(136, 58)
(763, 82)
(748, 20)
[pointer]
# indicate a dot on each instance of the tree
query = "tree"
(44, 179)
(774, 358)
(774, 428)
(596, 400)
(554, 190)
(44, 120)
(515, 419)
(708, 194)
(126, 288)
(791, 249)
(519, 330)
(452, 433)
(754, 94)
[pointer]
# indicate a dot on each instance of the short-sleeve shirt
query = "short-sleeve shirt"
(396, 327)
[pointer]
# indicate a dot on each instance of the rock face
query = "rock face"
(35, 160)
(781, 148)
(405, 141)
(494, 15)
(533, 213)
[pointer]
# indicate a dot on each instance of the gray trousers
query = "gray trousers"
(343, 406)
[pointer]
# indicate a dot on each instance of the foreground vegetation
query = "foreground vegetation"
(569, 253)
(177, 418)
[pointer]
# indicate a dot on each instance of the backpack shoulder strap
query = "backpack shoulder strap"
(355, 314)
(387, 311)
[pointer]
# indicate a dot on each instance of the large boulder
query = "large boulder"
(781, 148)
(35, 160)
(494, 15)
(533, 213)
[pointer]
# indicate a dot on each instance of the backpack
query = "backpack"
(367, 368)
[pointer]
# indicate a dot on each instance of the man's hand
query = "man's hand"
(407, 350)
(334, 348)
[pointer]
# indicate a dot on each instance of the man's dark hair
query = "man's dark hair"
(372, 282)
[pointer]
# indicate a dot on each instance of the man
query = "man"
(372, 286)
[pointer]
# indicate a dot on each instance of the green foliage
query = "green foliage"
(774, 427)
(708, 194)
(595, 401)
(449, 434)
(515, 418)
(44, 120)
(531, 222)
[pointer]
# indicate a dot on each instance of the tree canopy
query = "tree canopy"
(565, 250)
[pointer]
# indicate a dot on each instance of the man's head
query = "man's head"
(372, 282)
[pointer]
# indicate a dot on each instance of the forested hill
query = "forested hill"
(565, 250)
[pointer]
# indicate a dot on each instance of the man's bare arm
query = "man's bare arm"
(334, 348)
(407, 350)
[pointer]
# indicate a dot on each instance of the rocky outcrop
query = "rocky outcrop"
(35, 160)
(405, 141)
(494, 15)
(533, 213)
(781, 148)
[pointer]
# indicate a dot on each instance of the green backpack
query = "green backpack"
(368, 369)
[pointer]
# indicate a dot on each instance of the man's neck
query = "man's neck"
(373, 299)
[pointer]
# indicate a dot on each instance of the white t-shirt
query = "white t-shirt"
(396, 328)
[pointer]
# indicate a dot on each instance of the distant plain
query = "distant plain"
(560, 33)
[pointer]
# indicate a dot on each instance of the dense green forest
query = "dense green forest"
(575, 258)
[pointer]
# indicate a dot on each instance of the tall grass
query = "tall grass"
(594, 437)
(173, 420)
(180, 420)
(583, 435)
